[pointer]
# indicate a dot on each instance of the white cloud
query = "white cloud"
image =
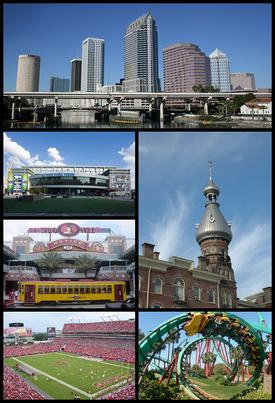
(17, 151)
(129, 159)
(54, 153)
(20, 156)
(251, 257)
(167, 232)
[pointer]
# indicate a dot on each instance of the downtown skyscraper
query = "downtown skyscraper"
(141, 56)
(220, 77)
(92, 69)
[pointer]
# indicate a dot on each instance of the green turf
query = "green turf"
(72, 375)
(214, 389)
(57, 206)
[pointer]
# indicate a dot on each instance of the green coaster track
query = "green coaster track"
(210, 325)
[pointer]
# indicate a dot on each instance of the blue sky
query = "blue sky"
(39, 321)
(173, 172)
(71, 148)
(55, 32)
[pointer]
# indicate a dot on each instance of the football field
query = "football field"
(64, 375)
(69, 206)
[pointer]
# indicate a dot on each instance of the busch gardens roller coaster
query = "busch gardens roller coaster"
(211, 329)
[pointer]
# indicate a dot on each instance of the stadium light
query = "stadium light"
(71, 319)
(79, 319)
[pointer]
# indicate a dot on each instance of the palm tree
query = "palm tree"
(263, 107)
(51, 260)
(85, 262)
(237, 354)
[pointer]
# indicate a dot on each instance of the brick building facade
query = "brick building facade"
(177, 283)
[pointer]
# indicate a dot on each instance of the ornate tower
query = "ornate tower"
(214, 234)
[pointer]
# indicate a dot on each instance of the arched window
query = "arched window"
(156, 306)
(211, 295)
(229, 299)
(197, 293)
(224, 298)
(158, 286)
(179, 289)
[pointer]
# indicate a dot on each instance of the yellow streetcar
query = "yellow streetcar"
(50, 292)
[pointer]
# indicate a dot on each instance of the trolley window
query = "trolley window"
(104, 289)
(22, 288)
(88, 289)
(98, 290)
(40, 289)
(64, 289)
(109, 289)
(76, 289)
(52, 289)
(46, 289)
(81, 289)
(93, 289)
(70, 289)
(58, 289)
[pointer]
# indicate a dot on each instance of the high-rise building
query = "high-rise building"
(219, 70)
(241, 81)
(28, 73)
(59, 84)
(184, 66)
(76, 75)
(92, 69)
(141, 56)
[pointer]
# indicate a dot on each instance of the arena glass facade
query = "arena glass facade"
(71, 180)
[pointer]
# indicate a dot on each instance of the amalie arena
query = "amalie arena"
(74, 180)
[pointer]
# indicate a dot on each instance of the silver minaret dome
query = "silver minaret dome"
(213, 223)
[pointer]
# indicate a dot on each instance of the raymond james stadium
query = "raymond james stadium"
(69, 180)
(68, 270)
(87, 361)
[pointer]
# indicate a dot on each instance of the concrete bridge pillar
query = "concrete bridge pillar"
(205, 107)
(162, 108)
(119, 100)
(13, 108)
(55, 106)
(109, 104)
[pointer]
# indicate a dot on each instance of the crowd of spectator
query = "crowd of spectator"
(105, 348)
(14, 388)
(119, 326)
(125, 393)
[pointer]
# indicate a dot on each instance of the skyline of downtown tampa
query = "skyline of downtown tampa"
(112, 28)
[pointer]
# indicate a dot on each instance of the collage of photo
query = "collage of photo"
(137, 133)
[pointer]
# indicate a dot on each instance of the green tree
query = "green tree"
(237, 354)
(51, 260)
(84, 262)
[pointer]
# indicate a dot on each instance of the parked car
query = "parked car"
(129, 303)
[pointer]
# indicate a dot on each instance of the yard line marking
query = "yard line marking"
(56, 379)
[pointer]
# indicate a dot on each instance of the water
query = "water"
(81, 119)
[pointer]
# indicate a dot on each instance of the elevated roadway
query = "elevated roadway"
(120, 96)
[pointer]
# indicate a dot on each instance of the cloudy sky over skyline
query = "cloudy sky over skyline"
(230, 27)
(173, 172)
(71, 148)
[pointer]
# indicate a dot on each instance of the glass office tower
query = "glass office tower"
(92, 70)
(220, 77)
(141, 56)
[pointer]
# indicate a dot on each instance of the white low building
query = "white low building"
(258, 108)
